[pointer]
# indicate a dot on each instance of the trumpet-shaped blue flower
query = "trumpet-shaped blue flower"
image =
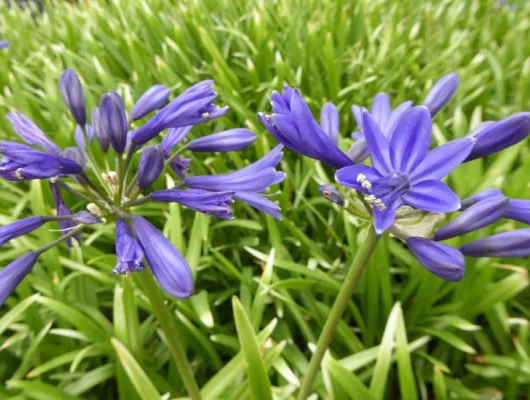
(192, 107)
(247, 182)
(21, 162)
(404, 171)
(293, 125)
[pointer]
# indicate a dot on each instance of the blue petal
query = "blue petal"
(381, 109)
(383, 219)
(349, 176)
(411, 140)
(229, 140)
(481, 214)
(392, 121)
(377, 144)
(73, 95)
(173, 137)
(444, 261)
(329, 121)
(168, 266)
(260, 202)
(358, 151)
(152, 99)
(443, 159)
(432, 196)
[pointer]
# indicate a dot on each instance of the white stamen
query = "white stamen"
(361, 178)
(18, 174)
(367, 185)
(205, 114)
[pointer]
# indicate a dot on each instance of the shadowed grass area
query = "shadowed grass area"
(73, 330)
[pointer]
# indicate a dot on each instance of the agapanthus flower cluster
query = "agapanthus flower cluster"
(402, 190)
(112, 137)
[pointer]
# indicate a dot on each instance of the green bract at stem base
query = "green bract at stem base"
(335, 315)
(165, 319)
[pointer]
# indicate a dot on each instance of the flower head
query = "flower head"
(112, 195)
(404, 171)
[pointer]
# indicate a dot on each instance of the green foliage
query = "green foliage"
(73, 330)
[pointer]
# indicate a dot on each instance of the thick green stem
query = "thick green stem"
(340, 305)
(165, 319)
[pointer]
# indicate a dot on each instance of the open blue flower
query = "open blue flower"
(293, 125)
(404, 171)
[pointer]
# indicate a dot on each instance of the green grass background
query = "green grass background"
(73, 330)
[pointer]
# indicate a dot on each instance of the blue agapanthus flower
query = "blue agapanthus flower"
(112, 195)
(403, 189)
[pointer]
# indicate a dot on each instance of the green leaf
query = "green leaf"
(257, 374)
(141, 382)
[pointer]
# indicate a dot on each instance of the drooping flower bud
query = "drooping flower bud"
(230, 140)
(444, 261)
(153, 99)
(73, 95)
(481, 214)
(331, 194)
(86, 218)
(480, 196)
(14, 273)
(504, 245)
(150, 167)
(19, 228)
(494, 137)
(114, 120)
(168, 266)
